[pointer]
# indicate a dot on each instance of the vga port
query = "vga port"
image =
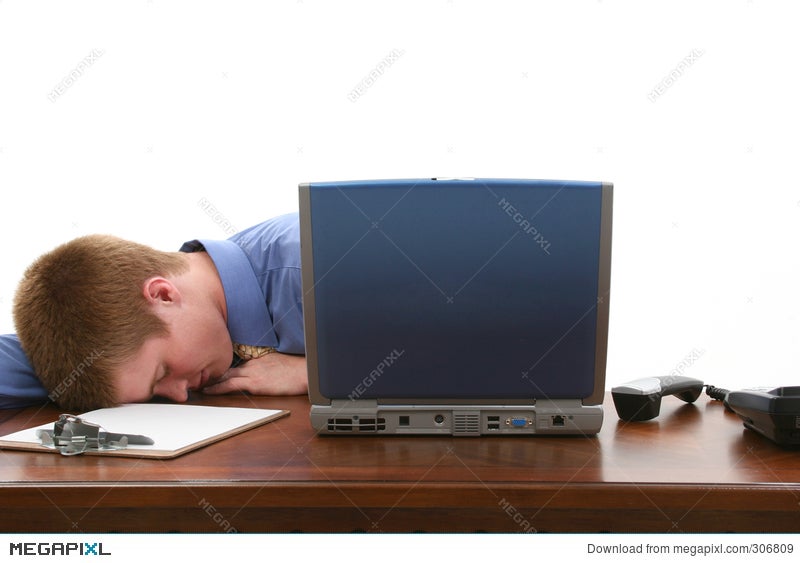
(519, 421)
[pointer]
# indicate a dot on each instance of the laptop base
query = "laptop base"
(543, 417)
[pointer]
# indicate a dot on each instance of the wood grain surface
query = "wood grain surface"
(695, 468)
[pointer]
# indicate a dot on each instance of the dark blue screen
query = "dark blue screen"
(456, 289)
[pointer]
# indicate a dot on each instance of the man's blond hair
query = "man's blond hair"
(80, 313)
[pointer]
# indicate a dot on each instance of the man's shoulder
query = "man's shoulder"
(277, 240)
(279, 227)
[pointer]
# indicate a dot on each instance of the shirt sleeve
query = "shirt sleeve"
(19, 386)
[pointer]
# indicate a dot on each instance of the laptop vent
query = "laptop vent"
(466, 423)
(356, 424)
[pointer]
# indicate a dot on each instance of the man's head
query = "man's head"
(85, 311)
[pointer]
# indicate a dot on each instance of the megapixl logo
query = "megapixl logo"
(43, 548)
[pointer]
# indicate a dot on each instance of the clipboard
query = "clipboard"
(175, 429)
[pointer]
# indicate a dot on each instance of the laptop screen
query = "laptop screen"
(456, 289)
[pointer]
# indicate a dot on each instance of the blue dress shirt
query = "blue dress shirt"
(260, 272)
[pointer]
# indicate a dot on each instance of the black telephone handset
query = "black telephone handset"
(641, 399)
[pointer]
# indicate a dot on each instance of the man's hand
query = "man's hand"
(273, 374)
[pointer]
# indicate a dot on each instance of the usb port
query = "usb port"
(494, 426)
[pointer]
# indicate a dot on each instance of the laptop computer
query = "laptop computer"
(458, 306)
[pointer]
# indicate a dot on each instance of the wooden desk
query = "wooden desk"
(693, 469)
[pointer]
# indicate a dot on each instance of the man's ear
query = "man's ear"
(160, 291)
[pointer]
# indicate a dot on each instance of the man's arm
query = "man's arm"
(273, 374)
(19, 386)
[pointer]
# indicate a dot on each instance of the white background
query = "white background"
(238, 102)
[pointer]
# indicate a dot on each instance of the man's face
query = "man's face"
(187, 359)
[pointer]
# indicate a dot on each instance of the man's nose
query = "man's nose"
(175, 389)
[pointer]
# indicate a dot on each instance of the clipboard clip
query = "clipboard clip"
(72, 435)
